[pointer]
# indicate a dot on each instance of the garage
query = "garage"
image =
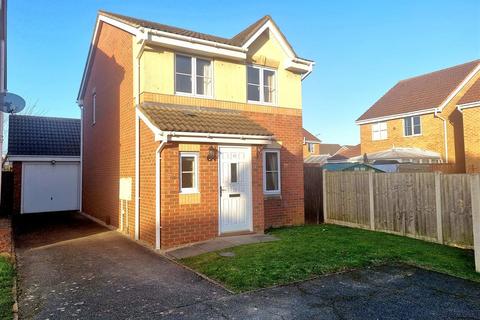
(45, 157)
(50, 187)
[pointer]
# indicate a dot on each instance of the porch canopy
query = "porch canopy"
(203, 124)
(415, 155)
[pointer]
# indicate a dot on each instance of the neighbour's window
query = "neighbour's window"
(94, 108)
(193, 75)
(311, 147)
(379, 131)
(261, 85)
(188, 172)
(412, 126)
(271, 172)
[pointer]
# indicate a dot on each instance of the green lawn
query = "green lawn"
(6, 283)
(308, 251)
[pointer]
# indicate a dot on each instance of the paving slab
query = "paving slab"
(219, 243)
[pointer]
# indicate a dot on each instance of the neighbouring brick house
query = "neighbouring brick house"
(469, 106)
(187, 136)
(421, 112)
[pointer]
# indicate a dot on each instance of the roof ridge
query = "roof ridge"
(232, 40)
(441, 70)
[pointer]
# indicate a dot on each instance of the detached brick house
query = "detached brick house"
(469, 106)
(421, 112)
(188, 136)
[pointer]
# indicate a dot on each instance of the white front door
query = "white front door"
(235, 184)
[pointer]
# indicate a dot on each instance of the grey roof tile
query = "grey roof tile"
(43, 136)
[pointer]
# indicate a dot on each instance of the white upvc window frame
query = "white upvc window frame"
(410, 118)
(94, 108)
(379, 130)
(311, 147)
(261, 85)
(195, 172)
(193, 77)
(272, 192)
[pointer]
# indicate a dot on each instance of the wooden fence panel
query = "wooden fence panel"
(346, 197)
(429, 206)
(457, 210)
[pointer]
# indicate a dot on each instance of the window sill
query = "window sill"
(189, 192)
(262, 103)
(272, 196)
(193, 95)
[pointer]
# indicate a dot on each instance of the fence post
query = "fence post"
(370, 194)
(475, 192)
(438, 206)
(324, 190)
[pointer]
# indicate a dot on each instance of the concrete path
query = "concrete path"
(219, 244)
(71, 268)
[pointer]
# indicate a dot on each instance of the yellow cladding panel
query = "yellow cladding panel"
(188, 147)
(189, 198)
(229, 82)
(157, 71)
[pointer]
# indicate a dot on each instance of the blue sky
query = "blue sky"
(361, 48)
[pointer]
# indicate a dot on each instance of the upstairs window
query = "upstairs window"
(412, 126)
(271, 172)
(262, 85)
(193, 76)
(379, 131)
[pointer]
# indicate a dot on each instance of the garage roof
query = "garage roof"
(43, 136)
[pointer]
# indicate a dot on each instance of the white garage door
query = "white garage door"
(50, 187)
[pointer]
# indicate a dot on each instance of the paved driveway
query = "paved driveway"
(71, 268)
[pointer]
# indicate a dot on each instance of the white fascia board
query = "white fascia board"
(396, 116)
(27, 158)
(293, 64)
(460, 87)
(196, 48)
(468, 105)
(312, 141)
(147, 121)
(220, 140)
(269, 25)
(216, 138)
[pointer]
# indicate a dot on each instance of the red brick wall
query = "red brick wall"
(287, 209)
(147, 186)
(187, 223)
(17, 186)
(109, 145)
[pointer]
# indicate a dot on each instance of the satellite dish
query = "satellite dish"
(11, 103)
